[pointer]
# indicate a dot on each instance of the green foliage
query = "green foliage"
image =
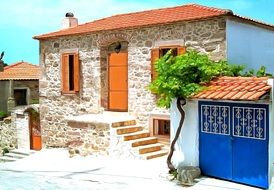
(260, 73)
(184, 75)
(5, 151)
(174, 175)
(34, 101)
(3, 114)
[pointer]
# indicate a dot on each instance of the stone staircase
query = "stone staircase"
(16, 154)
(132, 140)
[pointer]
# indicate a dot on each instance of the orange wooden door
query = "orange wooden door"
(118, 81)
(35, 132)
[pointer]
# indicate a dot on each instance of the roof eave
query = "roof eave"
(5, 79)
(251, 21)
(260, 101)
(40, 37)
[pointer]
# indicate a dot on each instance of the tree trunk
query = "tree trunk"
(180, 103)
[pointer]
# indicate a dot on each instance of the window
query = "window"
(159, 52)
(161, 127)
(70, 73)
(20, 97)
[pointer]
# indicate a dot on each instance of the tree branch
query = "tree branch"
(180, 103)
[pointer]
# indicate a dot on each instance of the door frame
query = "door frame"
(35, 139)
(108, 68)
(259, 144)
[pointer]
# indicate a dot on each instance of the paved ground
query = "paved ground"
(52, 169)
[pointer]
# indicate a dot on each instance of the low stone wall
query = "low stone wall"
(21, 124)
(8, 140)
(88, 138)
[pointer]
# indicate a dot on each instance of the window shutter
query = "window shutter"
(76, 73)
(181, 50)
(65, 73)
(155, 54)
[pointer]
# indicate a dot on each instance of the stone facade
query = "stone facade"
(8, 135)
(32, 86)
(87, 138)
(20, 118)
(207, 36)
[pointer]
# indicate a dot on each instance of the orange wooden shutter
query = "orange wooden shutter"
(181, 50)
(65, 73)
(76, 72)
(155, 54)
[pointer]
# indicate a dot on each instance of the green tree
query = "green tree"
(183, 76)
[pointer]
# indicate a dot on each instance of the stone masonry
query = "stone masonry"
(32, 85)
(8, 135)
(206, 36)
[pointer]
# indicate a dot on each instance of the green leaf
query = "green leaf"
(183, 75)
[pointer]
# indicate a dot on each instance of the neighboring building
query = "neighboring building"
(19, 85)
(228, 130)
(107, 64)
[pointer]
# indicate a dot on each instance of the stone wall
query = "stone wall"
(20, 120)
(206, 36)
(88, 138)
(32, 85)
(8, 135)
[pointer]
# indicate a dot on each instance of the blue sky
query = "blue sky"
(21, 20)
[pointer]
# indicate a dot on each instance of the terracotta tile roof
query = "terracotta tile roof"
(144, 18)
(235, 88)
(20, 71)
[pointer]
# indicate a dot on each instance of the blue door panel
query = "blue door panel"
(212, 163)
(215, 144)
(250, 144)
(234, 142)
(250, 162)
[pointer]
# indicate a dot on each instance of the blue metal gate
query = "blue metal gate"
(234, 141)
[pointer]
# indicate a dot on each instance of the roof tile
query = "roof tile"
(20, 71)
(235, 88)
(144, 18)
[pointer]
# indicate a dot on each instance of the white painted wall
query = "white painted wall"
(22, 128)
(250, 45)
(187, 146)
(271, 134)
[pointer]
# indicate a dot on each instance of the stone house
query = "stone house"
(107, 64)
(19, 83)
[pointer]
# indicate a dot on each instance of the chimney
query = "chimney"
(69, 21)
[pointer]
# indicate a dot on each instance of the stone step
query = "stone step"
(25, 152)
(149, 148)
(13, 155)
(156, 154)
(123, 123)
(144, 141)
(128, 129)
(7, 159)
(136, 135)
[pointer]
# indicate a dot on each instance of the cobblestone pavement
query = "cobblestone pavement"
(52, 169)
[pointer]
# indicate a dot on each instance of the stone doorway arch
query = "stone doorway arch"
(106, 50)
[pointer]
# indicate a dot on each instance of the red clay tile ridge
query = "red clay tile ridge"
(235, 88)
(20, 71)
(169, 15)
